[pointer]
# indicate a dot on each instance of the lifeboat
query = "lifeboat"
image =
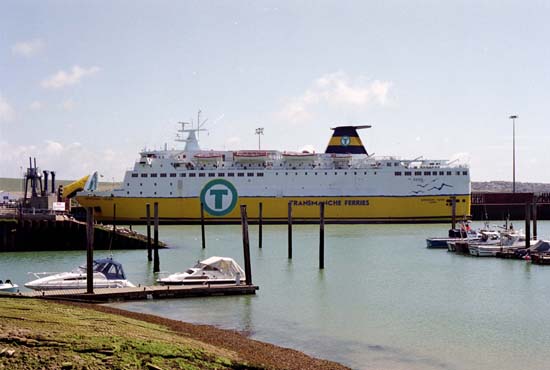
(208, 157)
(298, 156)
(250, 156)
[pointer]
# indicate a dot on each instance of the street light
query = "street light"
(513, 118)
(259, 131)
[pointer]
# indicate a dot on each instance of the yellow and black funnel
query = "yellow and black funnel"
(346, 140)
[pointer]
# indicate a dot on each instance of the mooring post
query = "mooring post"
(113, 236)
(246, 246)
(260, 224)
(453, 212)
(156, 261)
(203, 236)
(148, 216)
(289, 230)
(90, 250)
(534, 217)
(527, 224)
(322, 236)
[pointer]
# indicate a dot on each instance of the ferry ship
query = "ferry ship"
(354, 186)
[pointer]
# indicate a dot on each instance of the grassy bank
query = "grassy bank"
(36, 334)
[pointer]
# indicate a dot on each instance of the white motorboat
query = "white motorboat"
(213, 270)
(107, 273)
(506, 240)
(8, 287)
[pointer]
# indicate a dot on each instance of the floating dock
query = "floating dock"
(153, 292)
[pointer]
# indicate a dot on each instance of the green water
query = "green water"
(384, 301)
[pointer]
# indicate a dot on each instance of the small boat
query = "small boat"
(250, 155)
(209, 157)
(299, 156)
(107, 273)
(213, 270)
(8, 287)
(454, 235)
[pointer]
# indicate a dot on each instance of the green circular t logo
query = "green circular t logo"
(345, 140)
(219, 197)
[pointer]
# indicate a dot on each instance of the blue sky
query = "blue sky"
(85, 85)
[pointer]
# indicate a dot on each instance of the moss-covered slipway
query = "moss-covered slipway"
(38, 334)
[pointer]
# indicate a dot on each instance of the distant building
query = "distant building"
(7, 197)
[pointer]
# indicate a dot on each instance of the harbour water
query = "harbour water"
(384, 301)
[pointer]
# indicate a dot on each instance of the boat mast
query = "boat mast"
(191, 142)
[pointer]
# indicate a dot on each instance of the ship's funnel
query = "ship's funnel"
(346, 140)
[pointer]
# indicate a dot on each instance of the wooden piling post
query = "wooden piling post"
(453, 212)
(156, 260)
(534, 217)
(203, 236)
(527, 224)
(322, 236)
(260, 224)
(289, 230)
(90, 250)
(148, 216)
(246, 246)
(113, 235)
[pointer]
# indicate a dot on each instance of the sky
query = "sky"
(85, 85)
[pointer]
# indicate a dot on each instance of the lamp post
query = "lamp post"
(259, 132)
(513, 118)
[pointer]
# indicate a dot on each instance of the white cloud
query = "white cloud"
(70, 161)
(62, 78)
(27, 48)
(35, 105)
(67, 104)
(7, 113)
(337, 90)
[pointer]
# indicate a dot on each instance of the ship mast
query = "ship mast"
(191, 142)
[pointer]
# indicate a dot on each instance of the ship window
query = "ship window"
(170, 193)
(155, 184)
(365, 172)
(140, 184)
(465, 173)
(140, 192)
(449, 173)
(315, 173)
(127, 184)
(427, 173)
(221, 174)
(417, 173)
(345, 173)
(326, 173)
(153, 175)
(388, 164)
(172, 175)
(276, 173)
(305, 173)
(182, 174)
(408, 173)
(134, 175)
(296, 173)
(240, 174)
(396, 164)
(211, 174)
(434, 173)
(202, 174)
(458, 173)
(441, 173)
(250, 174)
(335, 173)
(286, 173)
(230, 174)
(155, 193)
(355, 173)
(397, 173)
(127, 192)
(162, 175)
(192, 174)
(260, 174)
(143, 175)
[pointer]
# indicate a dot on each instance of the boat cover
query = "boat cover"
(224, 264)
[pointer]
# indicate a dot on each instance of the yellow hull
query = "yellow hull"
(275, 210)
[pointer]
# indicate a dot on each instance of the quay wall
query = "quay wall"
(51, 233)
